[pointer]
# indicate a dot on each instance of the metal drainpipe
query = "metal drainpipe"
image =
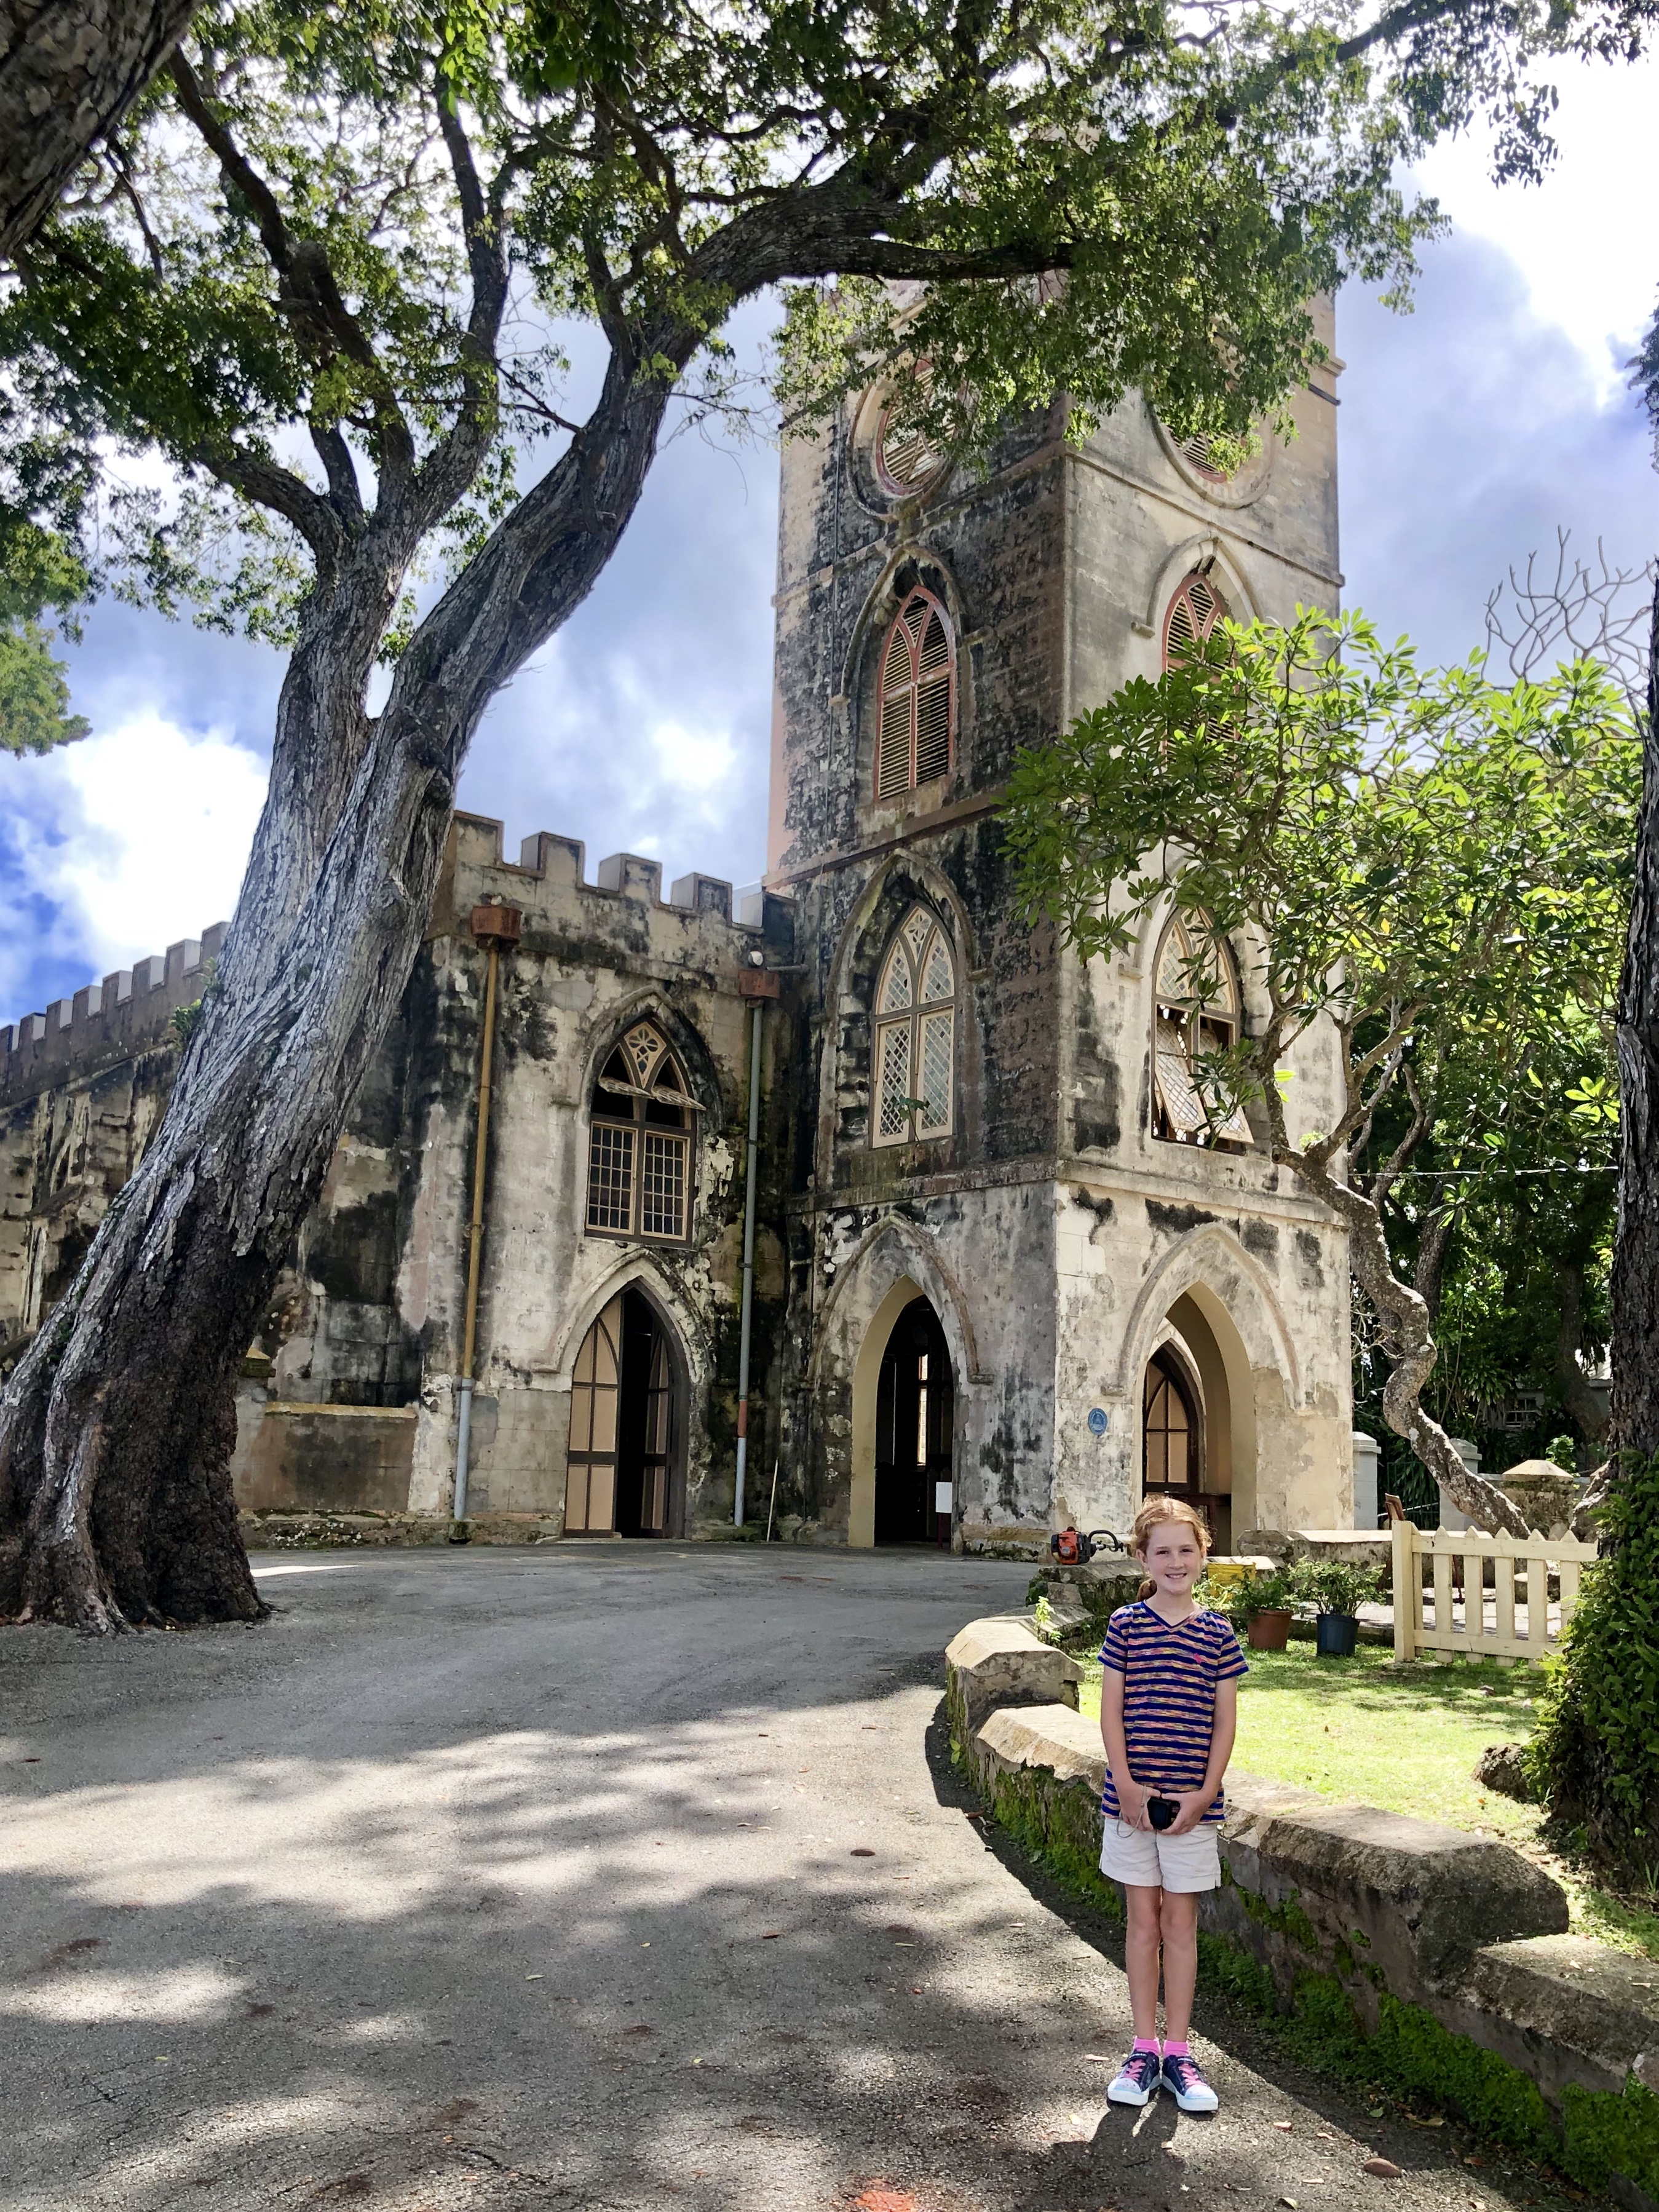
(755, 985)
(495, 927)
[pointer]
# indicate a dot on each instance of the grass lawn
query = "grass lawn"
(1406, 1738)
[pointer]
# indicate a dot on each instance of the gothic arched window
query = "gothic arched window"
(915, 732)
(1195, 611)
(1196, 1013)
(639, 1142)
(916, 1034)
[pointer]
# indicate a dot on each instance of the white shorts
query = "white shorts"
(1149, 1859)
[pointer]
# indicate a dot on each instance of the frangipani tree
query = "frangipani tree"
(1433, 864)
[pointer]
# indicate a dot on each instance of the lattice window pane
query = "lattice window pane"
(895, 994)
(937, 980)
(662, 1185)
(892, 1082)
(610, 1177)
(1174, 974)
(938, 1034)
(1182, 1107)
(918, 927)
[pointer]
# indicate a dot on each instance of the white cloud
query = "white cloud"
(136, 837)
(694, 760)
(1577, 238)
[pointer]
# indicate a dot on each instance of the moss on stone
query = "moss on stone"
(1602, 2133)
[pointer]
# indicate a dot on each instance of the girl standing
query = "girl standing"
(1168, 1715)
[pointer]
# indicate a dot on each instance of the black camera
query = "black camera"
(1161, 1812)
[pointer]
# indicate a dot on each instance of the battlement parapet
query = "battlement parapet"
(131, 1011)
(548, 881)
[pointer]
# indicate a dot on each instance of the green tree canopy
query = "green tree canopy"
(1432, 865)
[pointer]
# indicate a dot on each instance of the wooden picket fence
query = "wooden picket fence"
(1516, 1620)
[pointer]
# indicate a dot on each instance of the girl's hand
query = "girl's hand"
(1132, 1804)
(1195, 1804)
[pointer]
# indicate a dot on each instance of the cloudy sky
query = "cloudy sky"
(1471, 431)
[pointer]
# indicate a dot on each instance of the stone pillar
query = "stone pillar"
(1450, 1515)
(1367, 1456)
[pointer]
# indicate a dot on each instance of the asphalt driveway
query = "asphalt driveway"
(596, 1876)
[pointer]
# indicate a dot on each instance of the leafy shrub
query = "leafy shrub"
(1334, 1585)
(1240, 1602)
(1594, 1758)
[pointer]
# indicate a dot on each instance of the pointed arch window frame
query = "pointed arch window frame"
(910, 734)
(1196, 605)
(1197, 1008)
(642, 1168)
(914, 1035)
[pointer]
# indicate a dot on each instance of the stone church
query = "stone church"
(1003, 1275)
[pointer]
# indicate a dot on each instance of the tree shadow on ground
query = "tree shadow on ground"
(459, 1890)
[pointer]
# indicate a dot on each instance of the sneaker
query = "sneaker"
(1135, 2080)
(1184, 2079)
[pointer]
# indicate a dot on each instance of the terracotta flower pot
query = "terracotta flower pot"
(1269, 1632)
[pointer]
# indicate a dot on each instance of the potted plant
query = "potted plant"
(1258, 1607)
(1336, 1589)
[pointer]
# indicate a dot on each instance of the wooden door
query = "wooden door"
(589, 1507)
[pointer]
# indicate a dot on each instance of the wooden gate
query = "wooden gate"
(1520, 1617)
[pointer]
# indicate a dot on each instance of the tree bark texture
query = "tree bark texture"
(1635, 1425)
(69, 71)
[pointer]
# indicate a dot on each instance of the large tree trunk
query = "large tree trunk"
(1635, 1426)
(69, 69)
(117, 1426)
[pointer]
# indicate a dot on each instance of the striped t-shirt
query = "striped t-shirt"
(1170, 1676)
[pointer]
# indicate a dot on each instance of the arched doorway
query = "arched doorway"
(627, 1418)
(915, 1422)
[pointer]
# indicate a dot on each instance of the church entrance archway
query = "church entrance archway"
(915, 1422)
(1196, 1436)
(627, 1420)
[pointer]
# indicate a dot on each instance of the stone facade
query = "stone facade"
(965, 1287)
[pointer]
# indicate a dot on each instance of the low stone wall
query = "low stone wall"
(306, 1532)
(1429, 1959)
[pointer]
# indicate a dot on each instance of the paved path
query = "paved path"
(499, 1879)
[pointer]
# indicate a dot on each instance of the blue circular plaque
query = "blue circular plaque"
(1097, 1423)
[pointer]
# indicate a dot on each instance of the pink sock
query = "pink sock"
(1177, 2050)
(1145, 2043)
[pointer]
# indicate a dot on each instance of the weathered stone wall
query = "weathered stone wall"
(348, 1405)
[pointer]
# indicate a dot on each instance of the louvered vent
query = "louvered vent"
(913, 740)
(934, 701)
(1195, 610)
(1199, 453)
(905, 459)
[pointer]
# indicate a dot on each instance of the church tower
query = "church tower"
(1021, 1289)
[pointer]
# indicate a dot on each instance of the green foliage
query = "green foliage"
(37, 571)
(1435, 865)
(1594, 1758)
(35, 712)
(1239, 1601)
(1335, 1585)
(186, 1020)
(290, 250)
